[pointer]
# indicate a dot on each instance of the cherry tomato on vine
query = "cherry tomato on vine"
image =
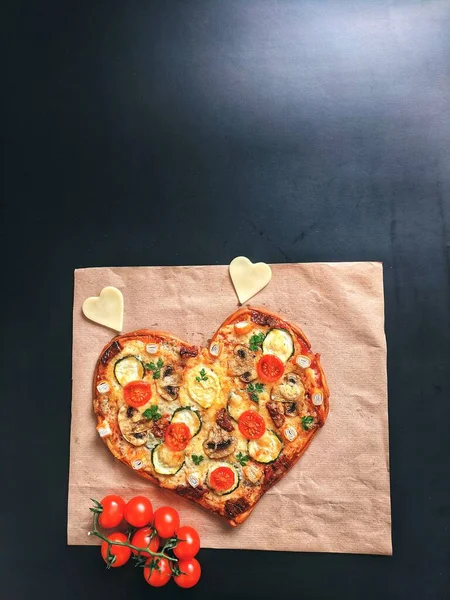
(122, 553)
(160, 575)
(270, 368)
(138, 511)
(190, 573)
(141, 539)
(112, 514)
(189, 543)
(166, 521)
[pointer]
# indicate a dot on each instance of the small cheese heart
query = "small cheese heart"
(248, 278)
(106, 309)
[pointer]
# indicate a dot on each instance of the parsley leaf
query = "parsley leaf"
(152, 413)
(155, 368)
(307, 422)
(242, 458)
(256, 341)
(203, 376)
(197, 459)
(254, 390)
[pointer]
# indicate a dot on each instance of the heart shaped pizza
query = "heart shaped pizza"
(217, 425)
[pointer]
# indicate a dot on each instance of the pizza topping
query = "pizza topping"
(237, 404)
(110, 352)
(317, 398)
(189, 417)
(279, 342)
(186, 352)
(303, 361)
(290, 409)
(166, 462)
(103, 429)
(103, 387)
(197, 458)
(276, 413)
(133, 425)
(223, 420)
(152, 348)
(203, 385)
(253, 391)
(159, 427)
(169, 383)
(270, 368)
(267, 448)
(290, 433)
(290, 389)
(242, 458)
(256, 341)
(219, 444)
(215, 349)
(137, 393)
(242, 364)
(177, 436)
(233, 508)
(253, 474)
(193, 479)
(152, 413)
(223, 479)
(242, 327)
(264, 319)
(137, 464)
(251, 425)
(307, 422)
(129, 368)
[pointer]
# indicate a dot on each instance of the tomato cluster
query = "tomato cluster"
(154, 539)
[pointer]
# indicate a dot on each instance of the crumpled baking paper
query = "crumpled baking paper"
(336, 498)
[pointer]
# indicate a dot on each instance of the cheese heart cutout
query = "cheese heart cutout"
(106, 309)
(248, 278)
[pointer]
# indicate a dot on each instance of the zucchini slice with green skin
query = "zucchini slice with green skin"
(265, 449)
(129, 368)
(189, 417)
(162, 466)
(237, 404)
(229, 490)
(279, 342)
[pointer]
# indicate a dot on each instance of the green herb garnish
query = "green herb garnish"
(256, 341)
(254, 390)
(242, 458)
(196, 459)
(155, 368)
(307, 422)
(152, 413)
(203, 376)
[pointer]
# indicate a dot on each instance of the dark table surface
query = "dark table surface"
(177, 133)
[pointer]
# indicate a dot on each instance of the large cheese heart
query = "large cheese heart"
(248, 278)
(217, 425)
(106, 309)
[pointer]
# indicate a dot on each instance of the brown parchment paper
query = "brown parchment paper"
(336, 498)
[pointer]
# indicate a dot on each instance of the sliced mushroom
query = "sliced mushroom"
(168, 385)
(289, 389)
(219, 443)
(134, 427)
(242, 364)
(290, 409)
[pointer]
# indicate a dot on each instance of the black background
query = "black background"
(177, 133)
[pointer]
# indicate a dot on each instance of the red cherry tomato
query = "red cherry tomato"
(122, 553)
(160, 575)
(190, 573)
(177, 436)
(251, 425)
(137, 393)
(141, 539)
(222, 479)
(112, 514)
(189, 543)
(138, 511)
(166, 521)
(270, 368)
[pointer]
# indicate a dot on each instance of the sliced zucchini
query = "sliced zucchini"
(267, 448)
(129, 368)
(237, 404)
(189, 417)
(166, 462)
(280, 343)
(232, 487)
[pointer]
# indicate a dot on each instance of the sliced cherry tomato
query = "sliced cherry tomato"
(190, 573)
(121, 553)
(143, 539)
(158, 575)
(138, 511)
(112, 514)
(251, 425)
(189, 542)
(166, 521)
(137, 393)
(222, 478)
(270, 368)
(177, 436)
